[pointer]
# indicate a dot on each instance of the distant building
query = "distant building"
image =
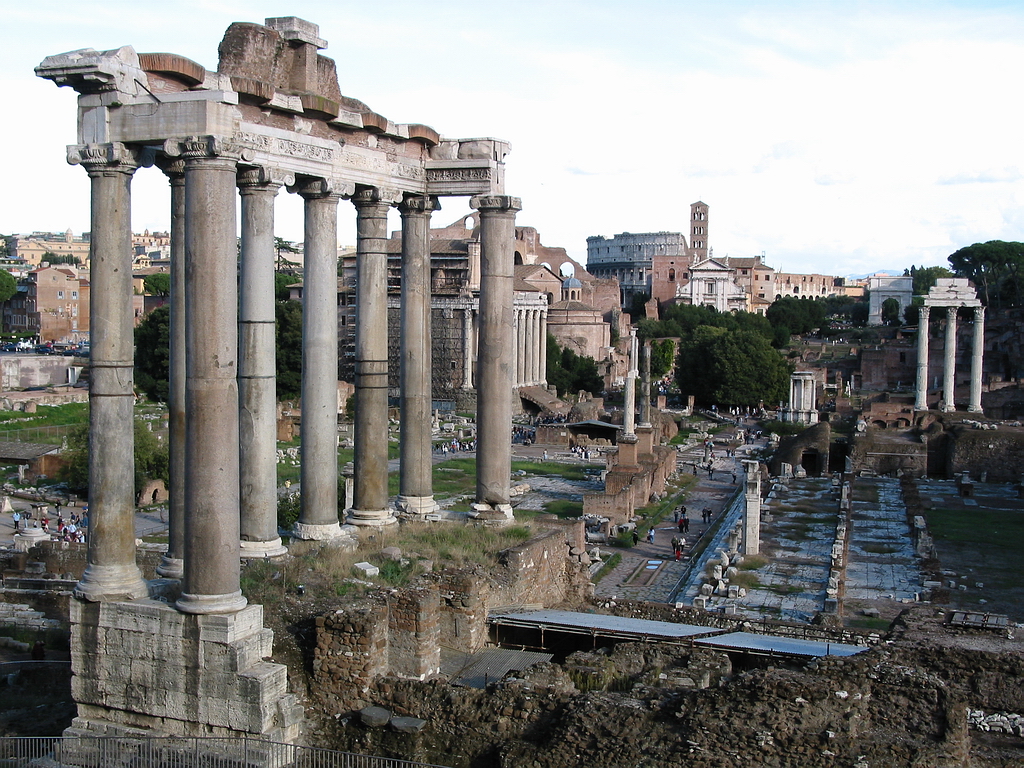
(34, 248)
(712, 283)
(52, 304)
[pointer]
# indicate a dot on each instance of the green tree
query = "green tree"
(151, 458)
(282, 247)
(637, 309)
(281, 282)
(152, 354)
(53, 259)
(663, 354)
(799, 315)
(925, 277)
(289, 349)
(996, 268)
(731, 368)
(158, 284)
(891, 311)
(8, 285)
(569, 372)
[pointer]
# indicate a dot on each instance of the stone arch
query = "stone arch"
(879, 423)
(517, 259)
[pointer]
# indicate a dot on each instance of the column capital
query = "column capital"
(496, 203)
(951, 311)
(105, 158)
(260, 178)
(315, 188)
(368, 196)
(979, 313)
(172, 167)
(206, 147)
(925, 310)
(413, 204)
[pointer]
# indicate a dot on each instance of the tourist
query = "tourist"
(17, 521)
(636, 537)
(650, 535)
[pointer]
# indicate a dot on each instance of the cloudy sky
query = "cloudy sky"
(834, 137)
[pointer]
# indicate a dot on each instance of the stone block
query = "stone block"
(233, 626)
(374, 717)
(408, 724)
(366, 570)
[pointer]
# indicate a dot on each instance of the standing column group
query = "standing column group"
(949, 359)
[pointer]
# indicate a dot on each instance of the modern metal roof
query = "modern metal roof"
(486, 666)
(601, 624)
(774, 644)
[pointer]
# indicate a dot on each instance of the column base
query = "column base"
(27, 538)
(376, 518)
(232, 602)
(417, 506)
(491, 515)
(320, 531)
(263, 549)
(171, 568)
(107, 583)
(979, 409)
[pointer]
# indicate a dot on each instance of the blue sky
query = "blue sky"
(834, 137)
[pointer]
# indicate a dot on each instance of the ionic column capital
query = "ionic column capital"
(368, 197)
(496, 203)
(259, 178)
(173, 168)
(104, 159)
(314, 188)
(418, 204)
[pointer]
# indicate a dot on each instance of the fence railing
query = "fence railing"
(180, 752)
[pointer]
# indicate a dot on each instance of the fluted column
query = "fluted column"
(319, 467)
(172, 564)
(495, 361)
(257, 375)
(416, 495)
(536, 346)
(921, 398)
(111, 573)
(370, 506)
(949, 365)
(531, 338)
(977, 353)
(212, 566)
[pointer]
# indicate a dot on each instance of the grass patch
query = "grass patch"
(608, 567)
(987, 527)
(869, 622)
(566, 471)
(746, 580)
(784, 589)
(752, 562)
(865, 493)
(564, 508)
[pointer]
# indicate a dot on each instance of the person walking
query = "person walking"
(17, 521)
(650, 535)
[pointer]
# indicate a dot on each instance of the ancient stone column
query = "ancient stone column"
(319, 468)
(529, 348)
(111, 573)
(544, 348)
(977, 353)
(752, 508)
(629, 415)
(495, 359)
(949, 365)
(172, 564)
(257, 375)
(211, 391)
(921, 394)
(645, 386)
(468, 348)
(520, 346)
(371, 426)
(416, 495)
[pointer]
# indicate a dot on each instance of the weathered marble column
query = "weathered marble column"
(416, 494)
(544, 348)
(751, 507)
(495, 360)
(319, 468)
(529, 348)
(211, 390)
(518, 328)
(172, 564)
(468, 348)
(371, 426)
(629, 414)
(111, 573)
(257, 374)
(949, 366)
(921, 395)
(977, 354)
(645, 386)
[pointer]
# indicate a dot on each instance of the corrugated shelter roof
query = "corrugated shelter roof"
(774, 644)
(25, 451)
(483, 667)
(601, 624)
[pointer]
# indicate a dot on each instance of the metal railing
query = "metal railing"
(180, 752)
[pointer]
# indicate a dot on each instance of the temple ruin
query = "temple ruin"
(184, 655)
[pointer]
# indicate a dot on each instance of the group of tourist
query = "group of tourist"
(455, 446)
(72, 529)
